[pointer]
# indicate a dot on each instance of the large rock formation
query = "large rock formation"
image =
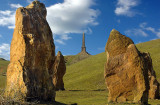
(32, 56)
(59, 69)
(126, 73)
(153, 83)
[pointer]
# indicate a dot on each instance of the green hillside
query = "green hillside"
(71, 59)
(89, 72)
(86, 76)
(3, 69)
(84, 80)
(153, 47)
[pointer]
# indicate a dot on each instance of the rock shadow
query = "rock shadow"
(54, 103)
(89, 90)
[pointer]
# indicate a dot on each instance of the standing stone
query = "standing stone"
(31, 56)
(125, 73)
(59, 69)
(153, 83)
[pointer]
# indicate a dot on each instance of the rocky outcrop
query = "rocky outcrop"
(31, 57)
(125, 73)
(59, 69)
(153, 83)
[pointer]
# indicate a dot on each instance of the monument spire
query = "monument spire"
(83, 43)
(83, 48)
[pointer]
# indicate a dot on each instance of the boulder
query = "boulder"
(59, 69)
(125, 73)
(153, 83)
(32, 55)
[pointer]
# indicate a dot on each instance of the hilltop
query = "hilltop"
(71, 59)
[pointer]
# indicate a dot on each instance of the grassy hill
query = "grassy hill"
(89, 72)
(153, 47)
(71, 59)
(3, 68)
(84, 80)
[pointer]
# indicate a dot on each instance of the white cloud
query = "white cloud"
(142, 30)
(29, 1)
(65, 37)
(124, 7)
(61, 38)
(5, 51)
(137, 32)
(142, 25)
(150, 29)
(56, 47)
(11, 27)
(15, 5)
(5, 13)
(72, 16)
(7, 18)
(59, 41)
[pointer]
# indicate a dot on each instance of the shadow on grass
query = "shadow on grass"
(55, 103)
(100, 90)
(5, 102)
(89, 90)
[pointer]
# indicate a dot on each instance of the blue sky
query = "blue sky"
(68, 19)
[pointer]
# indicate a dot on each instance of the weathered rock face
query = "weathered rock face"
(31, 56)
(125, 72)
(153, 83)
(59, 69)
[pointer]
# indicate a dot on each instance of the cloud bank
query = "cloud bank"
(72, 16)
(7, 17)
(4, 51)
(15, 5)
(125, 7)
(142, 30)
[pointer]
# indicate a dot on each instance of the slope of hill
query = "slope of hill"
(84, 80)
(89, 72)
(87, 75)
(71, 59)
(3, 68)
(153, 47)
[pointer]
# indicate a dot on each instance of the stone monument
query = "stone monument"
(83, 48)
